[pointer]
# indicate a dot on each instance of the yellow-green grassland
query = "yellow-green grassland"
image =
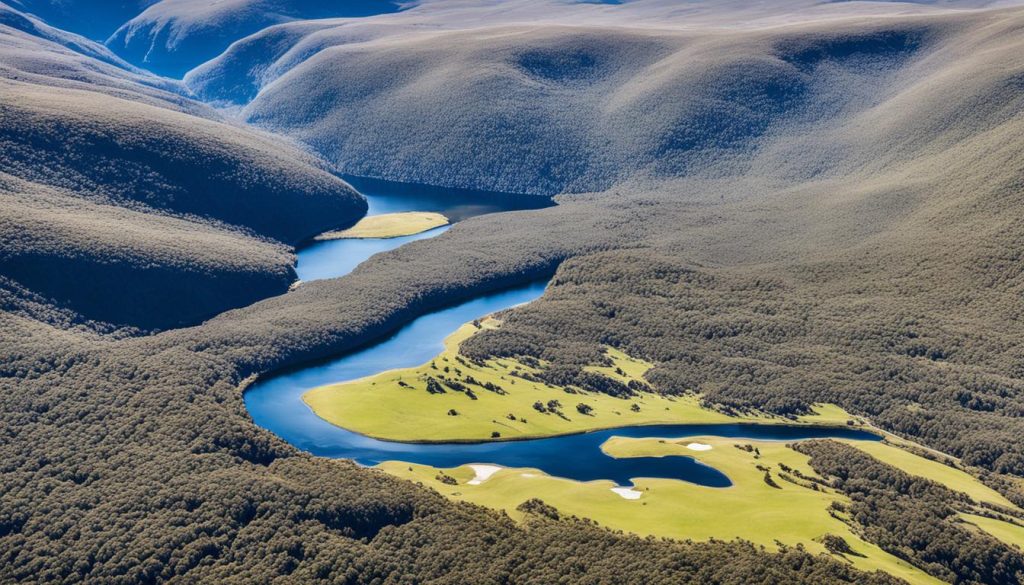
(396, 405)
(776, 498)
(389, 225)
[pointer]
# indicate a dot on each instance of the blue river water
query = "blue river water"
(335, 258)
(275, 402)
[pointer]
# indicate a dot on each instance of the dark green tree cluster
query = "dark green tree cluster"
(914, 518)
(830, 222)
(778, 344)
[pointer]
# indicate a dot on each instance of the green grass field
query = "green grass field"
(952, 478)
(396, 405)
(750, 509)
(1004, 531)
(389, 225)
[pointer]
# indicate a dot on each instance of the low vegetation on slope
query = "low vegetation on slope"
(142, 156)
(605, 103)
(452, 398)
(916, 518)
(126, 266)
(173, 36)
(111, 181)
(861, 253)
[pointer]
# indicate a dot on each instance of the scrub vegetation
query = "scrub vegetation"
(802, 207)
(454, 399)
(170, 37)
(916, 518)
(131, 205)
(781, 498)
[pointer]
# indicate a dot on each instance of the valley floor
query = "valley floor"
(776, 498)
(389, 225)
(452, 398)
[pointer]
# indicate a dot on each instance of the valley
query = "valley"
(522, 291)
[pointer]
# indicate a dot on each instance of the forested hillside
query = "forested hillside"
(131, 204)
(775, 211)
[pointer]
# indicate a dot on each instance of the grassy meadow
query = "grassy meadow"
(397, 404)
(791, 513)
(389, 225)
(788, 510)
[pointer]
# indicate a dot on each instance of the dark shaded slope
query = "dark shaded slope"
(134, 267)
(136, 154)
(122, 204)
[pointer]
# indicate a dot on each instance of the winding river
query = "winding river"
(275, 403)
(334, 258)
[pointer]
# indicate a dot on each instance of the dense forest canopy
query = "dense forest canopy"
(777, 212)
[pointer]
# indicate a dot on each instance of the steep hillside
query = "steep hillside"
(32, 25)
(604, 103)
(173, 36)
(37, 53)
(84, 137)
(256, 61)
(788, 211)
(138, 154)
(128, 266)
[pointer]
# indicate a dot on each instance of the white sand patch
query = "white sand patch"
(483, 473)
(527, 475)
(698, 447)
(627, 492)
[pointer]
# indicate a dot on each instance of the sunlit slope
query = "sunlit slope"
(78, 132)
(34, 52)
(252, 63)
(548, 109)
(173, 36)
(861, 250)
(841, 263)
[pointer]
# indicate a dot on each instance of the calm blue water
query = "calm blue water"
(276, 404)
(455, 204)
(335, 258)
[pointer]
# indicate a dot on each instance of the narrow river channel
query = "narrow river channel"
(275, 402)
